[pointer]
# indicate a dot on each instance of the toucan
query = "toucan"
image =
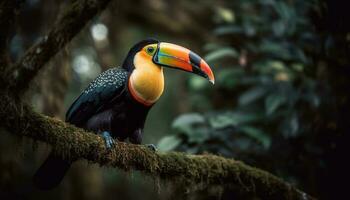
(117, 102)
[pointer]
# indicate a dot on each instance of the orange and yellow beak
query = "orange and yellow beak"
(175, 56)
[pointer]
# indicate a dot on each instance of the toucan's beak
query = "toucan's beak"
(175, 56)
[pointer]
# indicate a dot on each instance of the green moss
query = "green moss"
(74, 143)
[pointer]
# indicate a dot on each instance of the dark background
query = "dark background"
(280, 102)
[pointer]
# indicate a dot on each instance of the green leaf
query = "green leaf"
(184, 123)
(298, 67)
(279, 27)
(224, 120)
(300, 55)
(274, 48)
(290, 126)
(226, 14)
(257, 134)
(313, 99)
(223, 30)
(243, 117)
(249, 28)
(272, 102)
(229, 78)
(284, 11)
(212, 46)
(251, 95)
(198, 83)
(221, 53)
(199, 135)
(168, 143)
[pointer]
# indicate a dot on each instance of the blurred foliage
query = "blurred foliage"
(260, 61)
(272, 90)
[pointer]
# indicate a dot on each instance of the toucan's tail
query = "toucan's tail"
(51, 172)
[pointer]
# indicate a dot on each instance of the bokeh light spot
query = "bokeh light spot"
(99, 32)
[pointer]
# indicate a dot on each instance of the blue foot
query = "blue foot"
(151, 147)
(108, 139)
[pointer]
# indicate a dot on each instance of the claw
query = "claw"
(108, 139)
(151, 147)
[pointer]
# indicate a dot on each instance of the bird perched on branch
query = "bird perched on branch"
(117, 102)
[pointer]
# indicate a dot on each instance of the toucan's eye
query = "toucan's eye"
(150, 50)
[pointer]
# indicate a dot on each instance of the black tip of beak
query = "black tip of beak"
(196, 63)
(195, 59)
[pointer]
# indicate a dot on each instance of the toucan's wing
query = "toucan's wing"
(106, 87)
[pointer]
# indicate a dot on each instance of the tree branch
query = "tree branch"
(72, 20)
(8, 12)
(74, 143)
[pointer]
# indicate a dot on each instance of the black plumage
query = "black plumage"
(105, 105)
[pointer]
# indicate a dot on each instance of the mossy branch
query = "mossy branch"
(70, 22)
(74, 143)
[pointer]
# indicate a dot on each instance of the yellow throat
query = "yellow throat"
(146, 82)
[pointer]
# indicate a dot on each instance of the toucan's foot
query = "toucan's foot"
(151, 147)
(108, 139)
